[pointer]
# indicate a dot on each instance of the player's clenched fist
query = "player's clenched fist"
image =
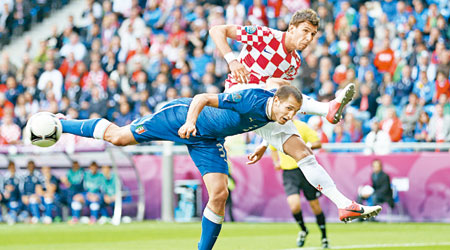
(186, 130)
(239, 72)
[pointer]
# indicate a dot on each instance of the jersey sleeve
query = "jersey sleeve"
(252, 35)
(239, 101)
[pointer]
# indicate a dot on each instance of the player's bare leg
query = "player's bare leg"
(213, 215)
(319, 178)
(119, 136)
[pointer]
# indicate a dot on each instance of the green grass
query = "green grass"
(165, 236)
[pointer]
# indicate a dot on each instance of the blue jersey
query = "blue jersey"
(30, 181)
(13, 181)
(238, 112)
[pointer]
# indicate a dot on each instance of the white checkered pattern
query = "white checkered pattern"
(264, 55)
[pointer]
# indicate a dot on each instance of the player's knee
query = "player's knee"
(219, 196)
(295, 207)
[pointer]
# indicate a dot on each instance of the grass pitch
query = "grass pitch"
(258, 236)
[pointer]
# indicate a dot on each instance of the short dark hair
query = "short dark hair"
(305, 15)
(285, 91)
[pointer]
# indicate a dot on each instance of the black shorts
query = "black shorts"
(294, 181)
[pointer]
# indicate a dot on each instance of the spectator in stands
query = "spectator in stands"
(403, 87)
(11, 192)
(353, 127)
(384, 59)
(421, 129)
(439, 126)
(365, 106)
(51, 80)
(235, 13)
(392, 125)
(50, 194)
(444, 101)
(32, 186)
(340, 135)
(108, 190)
(377, 141)
(442, 86)
(424, 89)
(410, 116)
(381, 184)
(74, 46)
(386, 103)
(9, 131)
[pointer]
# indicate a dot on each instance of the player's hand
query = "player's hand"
(186, 130)
(257, 155)
(239, 72)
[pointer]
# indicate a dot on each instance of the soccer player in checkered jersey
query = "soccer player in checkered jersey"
(271, 55)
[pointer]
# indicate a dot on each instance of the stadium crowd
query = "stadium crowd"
(37, 195)
(127, 58)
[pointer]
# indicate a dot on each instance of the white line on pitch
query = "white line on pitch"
(377, 246)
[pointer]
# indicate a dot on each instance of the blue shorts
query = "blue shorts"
(208, 154)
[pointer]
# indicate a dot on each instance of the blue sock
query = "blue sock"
(83, 128)
(34, 209)
(48, 209)
(210, 230)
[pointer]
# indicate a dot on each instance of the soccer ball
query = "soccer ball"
(43, 129)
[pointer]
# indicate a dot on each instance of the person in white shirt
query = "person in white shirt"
(377, 141)
(53, 76)
(75, 47)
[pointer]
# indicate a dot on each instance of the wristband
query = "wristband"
(229, 57)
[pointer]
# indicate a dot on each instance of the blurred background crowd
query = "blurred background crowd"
(127, 58)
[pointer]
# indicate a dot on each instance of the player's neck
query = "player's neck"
(288, 44)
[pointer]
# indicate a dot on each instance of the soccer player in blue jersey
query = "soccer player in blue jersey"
(203, 130)
(11, 193)
(31, 183)
(50, 194)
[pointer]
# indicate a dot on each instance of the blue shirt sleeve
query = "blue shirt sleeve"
(239, 101)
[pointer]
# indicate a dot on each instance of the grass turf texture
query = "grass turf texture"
(158, 235)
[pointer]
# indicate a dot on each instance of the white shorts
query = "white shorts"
(276, 134)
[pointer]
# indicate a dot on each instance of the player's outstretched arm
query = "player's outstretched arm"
(197, 105)
(219, 34)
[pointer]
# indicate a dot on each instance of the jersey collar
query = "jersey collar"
(269, 108)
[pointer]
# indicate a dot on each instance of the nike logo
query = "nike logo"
(361, 211)
(265, 50)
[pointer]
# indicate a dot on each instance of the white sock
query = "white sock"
(319, 178)
(100, 128)
(313, 107)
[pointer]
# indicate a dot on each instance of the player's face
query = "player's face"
(284, 110)
(302, 35)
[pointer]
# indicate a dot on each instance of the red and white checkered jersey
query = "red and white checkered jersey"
(264, 55)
